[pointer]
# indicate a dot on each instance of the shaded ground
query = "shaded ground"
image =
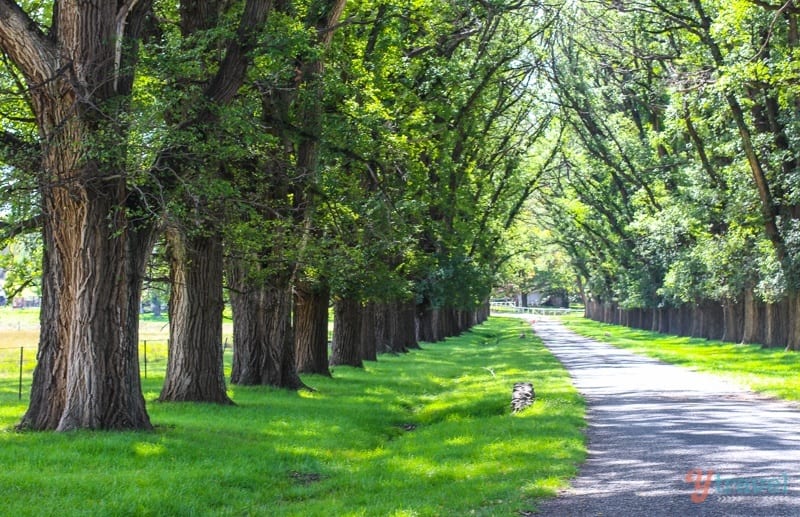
(652, 425)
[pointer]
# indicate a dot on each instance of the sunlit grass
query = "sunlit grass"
(426, 433)
(18, 319)
(767, 370)
(19, 329)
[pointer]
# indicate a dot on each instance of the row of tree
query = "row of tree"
(676, 193)
(370, 152)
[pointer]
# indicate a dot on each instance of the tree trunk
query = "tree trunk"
(393, 328)
(647, 319)
(456, 324)
(311, 329)
(382, 318)
(89, 370)
(696, 317)
(793, 337)
(752, 330)
(664, 317)
(73, 72)
(714, 320)
(776, 324)
(194, 364)
(484, 311)
(142, 238)
(686, 319)
(87, 375)
(424, 323)
(407, 319)
(464, 321)
(437, 324)
(445, 323)
(346, 348)
(608, 313)
(674, 321)
(279, 369)
(103, 389)
(397, 328)
(50, 375)
(590, 310)
(369, 350)
(264, 342)
(472, 317)
(249, 332)
(734, 321)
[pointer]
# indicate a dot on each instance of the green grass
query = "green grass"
(17, 319)
(148, 316)
(426, 433)
(766, 370)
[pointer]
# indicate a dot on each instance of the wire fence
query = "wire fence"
(17, 365)
(9, 361)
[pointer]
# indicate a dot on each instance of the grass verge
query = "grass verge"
(427, 433)
(771, 371)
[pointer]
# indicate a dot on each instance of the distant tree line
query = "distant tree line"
(676, 190)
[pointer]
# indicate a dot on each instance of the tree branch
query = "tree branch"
(231, 73)
(27, 46)
(20, 153)
(10, 230)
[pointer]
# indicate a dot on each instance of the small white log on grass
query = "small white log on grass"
(522, 396)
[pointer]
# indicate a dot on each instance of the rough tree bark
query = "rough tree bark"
(263, 343)
(426, 322)
(49, 377)
(279, 369)
(752, 331)
(194, 365)
(793, 338)
(369, 348)
(346, 347)
(299, 132)
(248, 325)
(396, 328)
(776, 324)
(87, 376)
(197, 326)
(408, 323)
(382, 327)
(733, 312)
(311, 328)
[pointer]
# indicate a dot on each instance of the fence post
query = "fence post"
(21, 351)
(145, 358)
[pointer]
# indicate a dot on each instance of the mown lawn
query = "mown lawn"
(426, 433)
(771, 371)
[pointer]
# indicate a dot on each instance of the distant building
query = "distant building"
(532, 299)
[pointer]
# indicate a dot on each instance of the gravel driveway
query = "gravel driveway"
(652, 426)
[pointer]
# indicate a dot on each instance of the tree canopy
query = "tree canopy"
(400, 158)
(677, 184)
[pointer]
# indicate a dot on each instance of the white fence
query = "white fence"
(506, 308)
